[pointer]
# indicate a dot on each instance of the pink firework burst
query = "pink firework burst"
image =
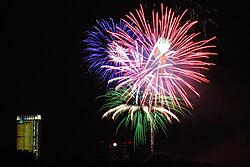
(164, 58)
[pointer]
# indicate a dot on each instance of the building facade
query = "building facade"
(29, 134)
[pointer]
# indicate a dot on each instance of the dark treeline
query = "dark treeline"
(27, 159)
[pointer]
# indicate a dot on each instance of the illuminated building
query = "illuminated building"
(29, 133)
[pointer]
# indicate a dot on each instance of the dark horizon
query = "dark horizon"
(44, 75)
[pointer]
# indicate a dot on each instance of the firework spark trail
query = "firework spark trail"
(164, 58)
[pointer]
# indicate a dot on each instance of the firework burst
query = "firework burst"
(164, 59)
(142, 119)
(96, 46)
(151, 66)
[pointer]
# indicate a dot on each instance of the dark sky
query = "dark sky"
(42, 74)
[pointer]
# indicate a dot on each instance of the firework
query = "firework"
(151, 65)
(164, 59)
(96, 44)
(141, 119)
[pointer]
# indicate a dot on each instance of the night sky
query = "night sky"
(43, 74)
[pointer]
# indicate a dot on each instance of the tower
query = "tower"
(29, 134)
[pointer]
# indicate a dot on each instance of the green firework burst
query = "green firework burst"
(120, 104)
